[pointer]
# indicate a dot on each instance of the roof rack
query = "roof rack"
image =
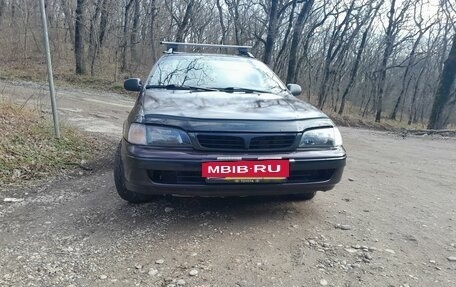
(172, 47)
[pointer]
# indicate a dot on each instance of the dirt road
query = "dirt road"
(391, 222)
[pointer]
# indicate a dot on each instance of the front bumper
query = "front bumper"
(178, 172)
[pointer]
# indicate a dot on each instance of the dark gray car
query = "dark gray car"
(223, 125)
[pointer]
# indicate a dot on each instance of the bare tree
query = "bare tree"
(68, 19)
(419, 22)
(359, 55)
(353, 56)
(135, 32)
(2, 10)
(183, 24)
(337, 39)
(124, 45)
(103, 23)
(280, 54)
(79, 39)
(222, 23)
(93, 45)
(233, 10)
(395, 19)
(297, 31)
(152, 16)
(272, 31)
(444, 100)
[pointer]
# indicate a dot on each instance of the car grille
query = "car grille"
(272, 142)
(221, 142)
(194, 177)
(246, 142)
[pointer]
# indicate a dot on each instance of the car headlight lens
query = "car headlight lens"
(157, 136)
(324, 137)
(137, 134)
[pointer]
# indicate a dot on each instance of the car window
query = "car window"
(215, 72)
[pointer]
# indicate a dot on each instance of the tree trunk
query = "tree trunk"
(68, 19)
(79, 39)
(354, 71)
(103, 23)
(389, 39)
(13, 13)
(405, 86)
(237, 24)
(323, 85)
(366, 107)
(287, 34)
(272, 32)
(2, 9)
(134, 33)
(297, 31)
(123, 51)
(152, 17)
(93, 44)
(413, 109)
(439, 114)
(222, 24)
(233, 10)
(182, 27)
(336, 42)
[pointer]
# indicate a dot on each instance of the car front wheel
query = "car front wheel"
(119, 180)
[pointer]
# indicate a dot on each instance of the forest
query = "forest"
(378, 59)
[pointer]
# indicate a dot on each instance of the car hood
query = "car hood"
(226, 106)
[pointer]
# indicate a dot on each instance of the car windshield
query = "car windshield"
(231, 74)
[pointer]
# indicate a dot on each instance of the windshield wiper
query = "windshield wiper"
(245, 90)
(179, 87)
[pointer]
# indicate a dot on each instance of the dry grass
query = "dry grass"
(384, 125)
(29, 150)
(62, 77)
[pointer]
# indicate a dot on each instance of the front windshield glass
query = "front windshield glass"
(217, 72)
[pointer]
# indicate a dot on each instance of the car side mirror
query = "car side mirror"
(294, 89)
(133, 85)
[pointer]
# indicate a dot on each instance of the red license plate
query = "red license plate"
(278, 168)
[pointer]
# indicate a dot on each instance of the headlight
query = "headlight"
(157, 136)
(324, 137)
(137, 134)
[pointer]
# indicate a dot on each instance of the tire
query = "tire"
(119, 180)
(303, 196)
